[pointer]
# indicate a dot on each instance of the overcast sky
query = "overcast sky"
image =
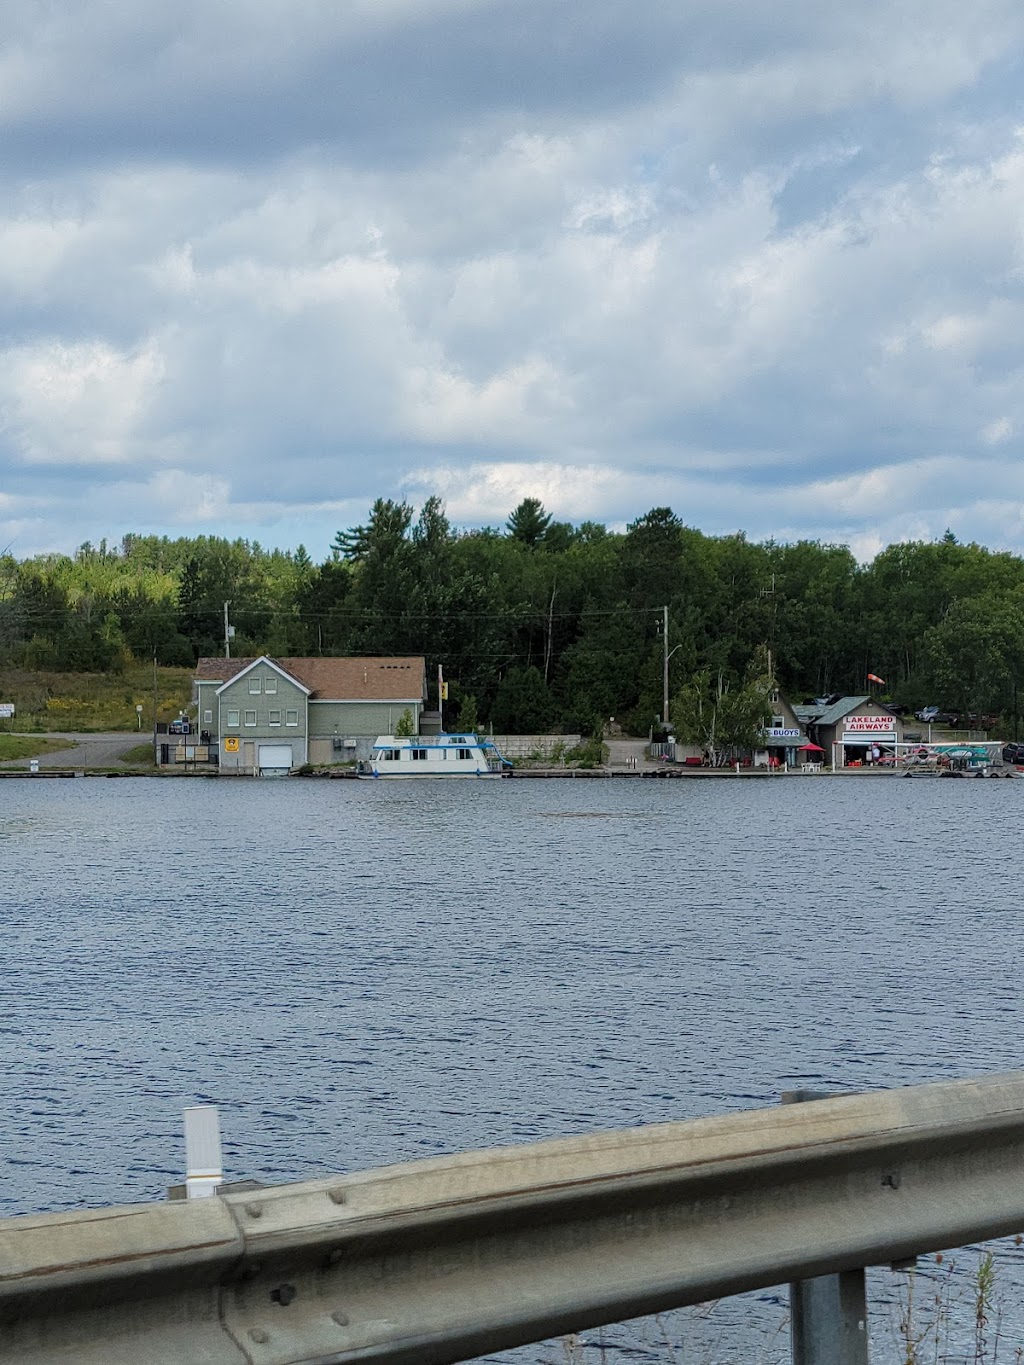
(262, 261)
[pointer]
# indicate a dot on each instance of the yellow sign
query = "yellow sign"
(231, 744)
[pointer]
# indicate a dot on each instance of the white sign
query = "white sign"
(869, 725)
(6, 710)
(777, 732)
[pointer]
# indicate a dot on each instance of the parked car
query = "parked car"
(927, 715)
(1013, 753)
(962, 720)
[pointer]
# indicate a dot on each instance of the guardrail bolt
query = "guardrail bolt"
(254, 1210)
(341, 1319)
(284, 1294)
(258, 1335)
(891, 1181)
(337, 1196)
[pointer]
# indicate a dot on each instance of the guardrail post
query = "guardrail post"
(828, 1315)
(828, 1319)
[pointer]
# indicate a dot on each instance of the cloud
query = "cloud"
(261, 265)
(77, 404)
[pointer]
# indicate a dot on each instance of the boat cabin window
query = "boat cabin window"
(418, 753)
(391, 755)
(465, 753)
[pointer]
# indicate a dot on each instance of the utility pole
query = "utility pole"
(664, 669)
(154, 703)
(227, 633)
(666, 655)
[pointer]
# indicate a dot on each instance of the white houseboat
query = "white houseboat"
(435, 756)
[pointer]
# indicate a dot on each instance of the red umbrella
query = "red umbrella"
(815, 748)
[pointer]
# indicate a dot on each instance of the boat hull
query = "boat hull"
(426, 777)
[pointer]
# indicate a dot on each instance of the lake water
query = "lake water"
(362, 973)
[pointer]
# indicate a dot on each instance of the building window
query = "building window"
(274, 718)
(233, 718)
(291, 718)
(270, 684)
(250, 717)
(255, 683)
(207, 717)
(778, 722)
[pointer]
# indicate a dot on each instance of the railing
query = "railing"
(446, 1259)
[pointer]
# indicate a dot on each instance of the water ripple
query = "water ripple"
(363, 973)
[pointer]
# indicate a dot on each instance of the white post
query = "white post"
(204, 1165)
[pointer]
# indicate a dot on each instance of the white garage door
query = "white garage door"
(275, 758)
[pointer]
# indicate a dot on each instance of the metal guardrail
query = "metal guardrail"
(442, 1260)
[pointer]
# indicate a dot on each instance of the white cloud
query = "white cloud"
(77, 404)
(486, 494)
(767, 268)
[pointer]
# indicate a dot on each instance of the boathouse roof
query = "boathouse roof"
(335, 679)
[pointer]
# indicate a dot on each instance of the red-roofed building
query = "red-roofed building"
(272, 715)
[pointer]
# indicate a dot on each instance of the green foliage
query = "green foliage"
(549, 626)
(405, 726)
(522, 705)
(975, 653)
(94, 701)
(468, 718)
(529, 522)
(588, 754)
(720, 715)
(139, 756)
(13, 747)
(386, 529)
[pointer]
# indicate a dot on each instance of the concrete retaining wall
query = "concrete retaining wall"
(542, 746)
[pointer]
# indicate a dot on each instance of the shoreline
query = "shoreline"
(530, 774)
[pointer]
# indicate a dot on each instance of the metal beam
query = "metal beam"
(443, 1260)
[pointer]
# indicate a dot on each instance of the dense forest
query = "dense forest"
(541, 624)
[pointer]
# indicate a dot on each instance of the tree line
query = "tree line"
(542, 624)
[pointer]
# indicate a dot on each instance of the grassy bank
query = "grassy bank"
(93, 701)
(141, 756)
(18, 746)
